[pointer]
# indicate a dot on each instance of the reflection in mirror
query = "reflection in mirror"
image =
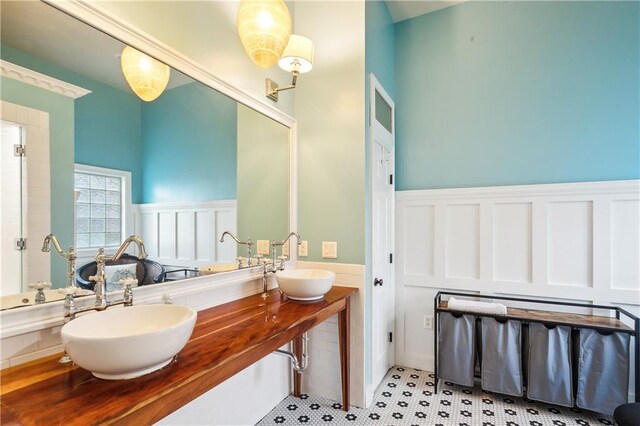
(178, 171)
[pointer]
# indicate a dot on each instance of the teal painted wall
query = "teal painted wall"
(189, 145)
(505, 93)
(379, 60)
(109, 132)
(107, 120)
(263, 178)
(61, 111)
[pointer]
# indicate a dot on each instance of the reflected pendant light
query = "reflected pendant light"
(147, 77)
(264, 27)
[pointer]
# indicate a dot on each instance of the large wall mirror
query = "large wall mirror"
(178, 170)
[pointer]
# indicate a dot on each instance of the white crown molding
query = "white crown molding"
(42, 81)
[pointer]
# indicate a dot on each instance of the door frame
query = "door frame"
(389, 143)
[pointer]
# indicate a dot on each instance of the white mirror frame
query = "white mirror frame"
(38, 317)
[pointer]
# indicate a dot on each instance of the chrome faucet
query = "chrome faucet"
(248, 243)
(70, 290)
(273, 266)
(100, 280)
(70, 255)
(280, 244)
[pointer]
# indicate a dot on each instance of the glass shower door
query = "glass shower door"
(11, 223)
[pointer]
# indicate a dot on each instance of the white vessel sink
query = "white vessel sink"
(123, 343)
(305, 284)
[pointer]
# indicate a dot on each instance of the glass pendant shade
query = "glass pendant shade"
(298, 55)
(147, 77)
(264, 27)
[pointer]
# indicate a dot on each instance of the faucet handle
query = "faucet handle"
(128, 282)
(40, 285)
(68, 290)
(94, 278)
(128, 292)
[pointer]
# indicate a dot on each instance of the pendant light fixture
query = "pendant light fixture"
(264, 27)
(147, 77)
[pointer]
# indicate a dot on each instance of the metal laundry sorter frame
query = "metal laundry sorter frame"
(559, 319)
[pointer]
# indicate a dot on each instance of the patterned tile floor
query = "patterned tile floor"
(405, 397)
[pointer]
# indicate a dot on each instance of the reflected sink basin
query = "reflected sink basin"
(305, 284)
(123, 343)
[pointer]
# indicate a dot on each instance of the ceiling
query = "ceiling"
(40, 30)
(405, 9)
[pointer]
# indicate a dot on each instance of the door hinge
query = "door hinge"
(390, 337)
(19, 151)
(390, 179)
(21, 244)
(390, 257)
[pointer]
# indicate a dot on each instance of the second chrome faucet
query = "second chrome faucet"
(274, 267)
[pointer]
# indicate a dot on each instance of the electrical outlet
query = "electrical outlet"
(285, 248)
(263, 247)
(428, 322)
(329, 249)
(303, 249)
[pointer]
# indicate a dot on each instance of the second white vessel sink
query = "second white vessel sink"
(123, 343)
(305, 284)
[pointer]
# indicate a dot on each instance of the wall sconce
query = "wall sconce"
(297, 59)
(264, 27)
(146, 76)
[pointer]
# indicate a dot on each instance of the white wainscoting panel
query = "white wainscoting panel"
(512, 242)
(572, 242)
(187, 234)
(625, 249)
(463, 240)
(570, 247)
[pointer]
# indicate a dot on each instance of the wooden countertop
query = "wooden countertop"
(563, 318)
(225, 340)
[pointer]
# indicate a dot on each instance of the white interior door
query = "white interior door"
(382, 168)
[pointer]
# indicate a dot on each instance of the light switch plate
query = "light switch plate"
(303, 249)
(285, 248)
(330, 249)
(263, 247)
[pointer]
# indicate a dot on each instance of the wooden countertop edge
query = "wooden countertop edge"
(157, 406)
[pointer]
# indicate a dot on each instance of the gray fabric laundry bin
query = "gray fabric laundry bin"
(549, 365)
(456, 348)
(603, 371)
(501, 356)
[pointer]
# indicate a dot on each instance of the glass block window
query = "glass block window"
(99, 210)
